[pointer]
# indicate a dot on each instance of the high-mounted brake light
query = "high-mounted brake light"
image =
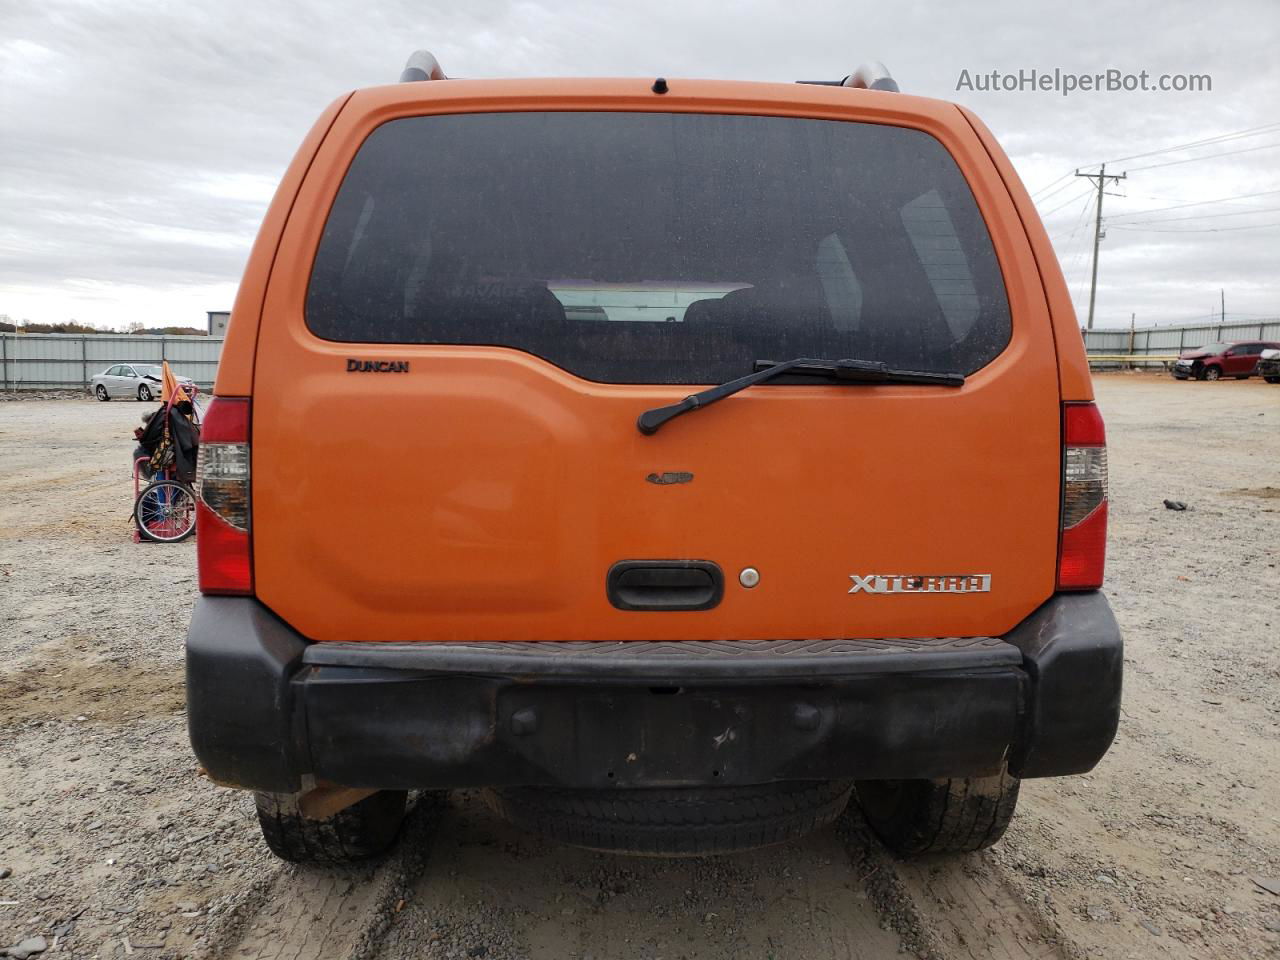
(223, 522)
(1082, 547)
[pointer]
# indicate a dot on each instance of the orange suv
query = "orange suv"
(677, 460)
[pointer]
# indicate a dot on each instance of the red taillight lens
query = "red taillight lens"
(223, 554)
(1082, 546)
(1083, 554)
(1082, 426)
(226, 420)
(223, 521)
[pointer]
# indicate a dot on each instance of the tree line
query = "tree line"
(9, 325)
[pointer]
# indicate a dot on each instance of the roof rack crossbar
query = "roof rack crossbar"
(421, 65)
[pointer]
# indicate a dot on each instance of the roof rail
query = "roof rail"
(869, 76)
(421, 65)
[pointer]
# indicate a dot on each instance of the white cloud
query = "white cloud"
(142, 140)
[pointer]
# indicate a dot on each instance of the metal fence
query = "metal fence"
(61, 361)
(1175, 339)
(66, 361)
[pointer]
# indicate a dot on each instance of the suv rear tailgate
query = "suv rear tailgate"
(408, 490)
(485, 495)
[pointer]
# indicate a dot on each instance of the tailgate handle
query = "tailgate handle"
(664, 585)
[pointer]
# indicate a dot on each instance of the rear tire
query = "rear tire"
(958, 815)
(675, 822)
(360, 831)
(102, 394)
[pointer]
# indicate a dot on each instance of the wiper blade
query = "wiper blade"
(844, 371)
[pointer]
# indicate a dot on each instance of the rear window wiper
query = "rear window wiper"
(843, 371)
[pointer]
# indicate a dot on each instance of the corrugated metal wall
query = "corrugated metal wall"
(1169, 340)
(60, 361)
(44, 361)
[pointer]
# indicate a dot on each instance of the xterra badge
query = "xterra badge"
(921, 583)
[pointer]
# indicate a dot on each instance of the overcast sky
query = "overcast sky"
(140, 141)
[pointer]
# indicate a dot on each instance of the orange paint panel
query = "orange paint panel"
(484, 495)
(502, 489)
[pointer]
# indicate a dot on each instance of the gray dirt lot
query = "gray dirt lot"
(118, 847)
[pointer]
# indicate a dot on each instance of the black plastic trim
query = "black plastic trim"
(240, 716)
(766, 662)
(664, 585)
(466, 731)
(266, 708)
(1073, 653)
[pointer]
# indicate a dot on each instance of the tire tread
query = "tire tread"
(675, 822)
(957, 815)
(360, 831)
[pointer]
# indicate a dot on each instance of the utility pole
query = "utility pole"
(1223, 294)
(1101, 177)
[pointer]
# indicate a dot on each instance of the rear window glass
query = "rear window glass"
(661, 248)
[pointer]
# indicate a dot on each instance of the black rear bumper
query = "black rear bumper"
(266, 708)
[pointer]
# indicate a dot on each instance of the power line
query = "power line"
(1194, 203)
(1147, 196)
(1078, 258)
(1211, 156)
(1058, 189)
(1069, 248)
(1083, 217)
(1136, 223)
(1081, 259)
(1253, 226)
(1079, 221)
(1199, 216)
(1220, 138)
(1079, 287)
(1065, 203)
(1070, 259)
(1066, 176)
(1206, 141)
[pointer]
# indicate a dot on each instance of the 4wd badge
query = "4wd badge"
(921, 583)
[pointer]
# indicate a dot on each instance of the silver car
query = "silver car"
(138, 380)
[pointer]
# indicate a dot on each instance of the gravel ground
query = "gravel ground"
(111, 844)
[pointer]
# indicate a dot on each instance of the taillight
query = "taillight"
(1082, 548)
(223, 520)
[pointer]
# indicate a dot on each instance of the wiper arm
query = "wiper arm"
(845, 371)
